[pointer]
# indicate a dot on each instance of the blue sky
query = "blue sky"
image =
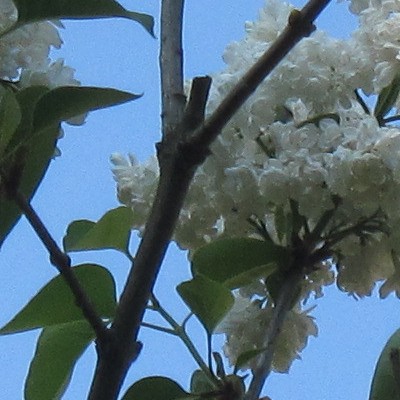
(337, 365)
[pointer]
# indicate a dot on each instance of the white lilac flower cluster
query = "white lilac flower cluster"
(24, 53)
(280, 147)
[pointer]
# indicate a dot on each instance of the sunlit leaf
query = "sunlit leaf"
(55, 304)
(38, 10)
(155, 388)
(238, 261)
(65, 102)
(112, 231)
(386, 380)
(57, 351)
(207, 299)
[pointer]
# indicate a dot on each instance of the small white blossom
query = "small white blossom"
(246, 328)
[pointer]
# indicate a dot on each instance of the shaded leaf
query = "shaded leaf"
(155, 388)
(386, 99)
(38, 10)
(10, 117)
(65, 102)
(199, 382)
(236, 262)
(31, 155)
(57, 351)
(112, 231)
(385, 384)
(207, 299)
(55, 304)
(34, 142)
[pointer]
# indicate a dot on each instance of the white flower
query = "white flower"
(24, 54)
(136, 184)
(246, 327)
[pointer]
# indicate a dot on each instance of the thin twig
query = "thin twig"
(59, 259)
(300, 25)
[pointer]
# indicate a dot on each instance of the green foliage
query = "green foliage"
(155, 388)
(58, 349)
(38, 10)
(386, 380)
(55, 304)
(207, 299)
(112, 231)
(63, 103)
(10, 117)
(200, 383)
(386, 99)
(237, 262)
(31, 146)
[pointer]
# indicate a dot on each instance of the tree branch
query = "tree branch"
(282, 307)
(180, 153)
(57, 257)
(171, 66)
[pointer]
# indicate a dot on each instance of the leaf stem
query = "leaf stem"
(159, 328)
(180, 331)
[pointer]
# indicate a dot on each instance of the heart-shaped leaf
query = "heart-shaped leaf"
(155, 388)
(207, 299)
(112, 231)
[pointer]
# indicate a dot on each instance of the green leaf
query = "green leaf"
(33, 144)
(55, 304)
(57, 351)
(38, 10)
(386, 383)
(199, 383)
(65, 102)
(112, 231)
(155, 388)
(207, 299)
(387, 98)
(26, 155)
(237, 262)
(10, 117)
